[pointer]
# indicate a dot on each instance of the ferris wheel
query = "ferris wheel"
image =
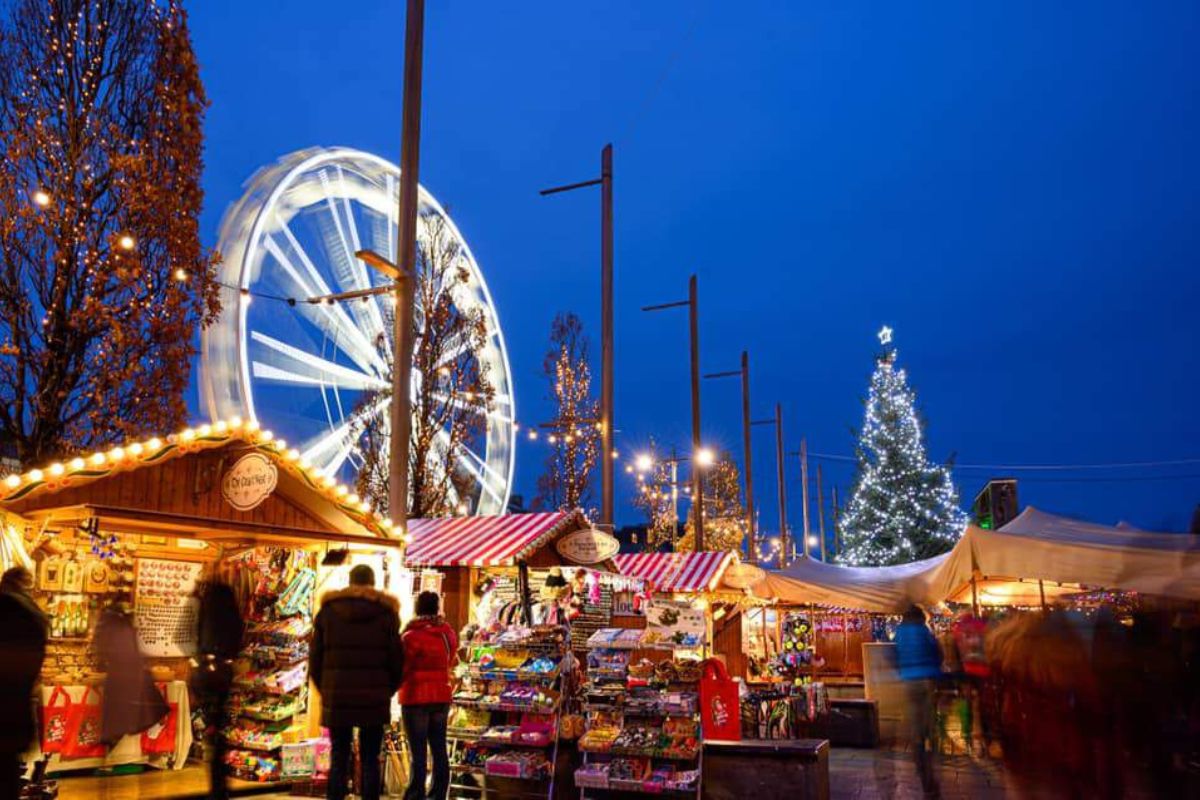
(311, 371)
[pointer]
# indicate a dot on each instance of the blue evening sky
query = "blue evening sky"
(1013, 187)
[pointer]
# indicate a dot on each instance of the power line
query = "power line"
(1179, 462)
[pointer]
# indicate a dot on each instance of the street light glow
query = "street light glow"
(705, 457)
(813, 541)
(644, 462)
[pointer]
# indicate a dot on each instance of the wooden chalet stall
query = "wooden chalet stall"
(515, 549)
(137, 527)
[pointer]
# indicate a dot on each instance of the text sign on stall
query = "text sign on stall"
(164, 608)
(249, 481)
(588, 546)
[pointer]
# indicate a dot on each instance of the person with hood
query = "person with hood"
(218, 641)
(23, 631)
(429, 653)
(920, 665)
(355, 661)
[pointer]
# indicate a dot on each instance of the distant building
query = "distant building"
(996, 505)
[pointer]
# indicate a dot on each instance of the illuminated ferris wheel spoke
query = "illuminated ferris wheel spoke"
(332, 319)
(295, 233)
(330, 450)
(308, 368)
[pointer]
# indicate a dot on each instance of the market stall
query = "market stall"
(132, 532)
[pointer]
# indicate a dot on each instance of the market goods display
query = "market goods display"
(271, 672)
(506, 714)
(643, 727)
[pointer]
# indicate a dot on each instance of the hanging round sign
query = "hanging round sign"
(742, 576)
(249, 481)
(588, 546)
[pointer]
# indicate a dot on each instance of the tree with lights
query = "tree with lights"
(903, 507)
(453, 396)
(656, 497)
(103, 278)
(575, 441)
(724, 514)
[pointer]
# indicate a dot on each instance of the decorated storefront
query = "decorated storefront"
(129, 535)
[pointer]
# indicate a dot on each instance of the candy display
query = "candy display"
(248, 765)
(643, 730)
(506, 709)
(271, 672)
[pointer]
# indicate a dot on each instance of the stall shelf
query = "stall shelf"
(643, 723)
(506, 713)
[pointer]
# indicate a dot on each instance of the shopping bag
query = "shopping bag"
(159, 738)
(84, 727)
(719, 710)
(54, 720)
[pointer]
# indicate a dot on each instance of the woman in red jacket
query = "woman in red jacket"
(429, 653)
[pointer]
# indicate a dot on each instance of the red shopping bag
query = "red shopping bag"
(159, 738)
(84, 726)
(719, 710)
(55, 715)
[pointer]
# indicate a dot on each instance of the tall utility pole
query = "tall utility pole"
(606, 326)
(779, 453)
(821, 512)
(783, 531)
(406, 250)
(694, 341)
(804, 490)
(751, 519)
(837, 534)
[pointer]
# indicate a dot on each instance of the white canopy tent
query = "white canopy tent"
(1008, 563)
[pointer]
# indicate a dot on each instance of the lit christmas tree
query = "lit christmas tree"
(903, 507)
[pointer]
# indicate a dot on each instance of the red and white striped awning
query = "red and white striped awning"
(495, 541)
(676, 572)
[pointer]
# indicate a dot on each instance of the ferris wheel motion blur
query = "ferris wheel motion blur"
(310, 370)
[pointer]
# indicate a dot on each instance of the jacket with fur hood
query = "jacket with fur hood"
(355, 657)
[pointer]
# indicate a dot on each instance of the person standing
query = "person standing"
(354, 661)
(920, 665)
(23, 631)
(219, 638)
(429, 653)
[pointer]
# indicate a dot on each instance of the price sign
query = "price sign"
(164, 608)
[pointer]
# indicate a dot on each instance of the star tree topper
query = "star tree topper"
(885, 335)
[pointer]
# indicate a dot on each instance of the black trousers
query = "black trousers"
(10, 776)
(341, 740)
(216, 718)
(425, 728)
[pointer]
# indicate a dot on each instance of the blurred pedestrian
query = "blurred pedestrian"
(219, 639)
(132, 703)
(1050, 722)
(920, 665)
(23, 631)
(429, 652)
(355, 662)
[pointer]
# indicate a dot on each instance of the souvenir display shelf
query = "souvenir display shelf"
(643, 721)
(506, 712)
(271, 686)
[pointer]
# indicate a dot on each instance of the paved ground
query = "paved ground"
(887, 774)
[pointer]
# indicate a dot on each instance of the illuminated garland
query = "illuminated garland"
(80, 470)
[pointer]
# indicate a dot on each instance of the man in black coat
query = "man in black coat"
(23, 631)
(355, 662)
(218, 640)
